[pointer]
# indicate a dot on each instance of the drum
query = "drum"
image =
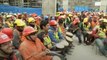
(69, 34)
(59, 45)
(64, 42)
(69, 39)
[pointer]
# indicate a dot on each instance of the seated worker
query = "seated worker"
(55, 35)
(6, 49)
(32, 48)
(43, 35)
(17, 32)
(101, 42)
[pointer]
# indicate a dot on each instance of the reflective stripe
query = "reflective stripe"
(47, 41)
(56, 36)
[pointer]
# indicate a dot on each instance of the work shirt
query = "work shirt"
(31, 50)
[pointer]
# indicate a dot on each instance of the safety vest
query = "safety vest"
(47, 41)
(86, 27)
(55, 35)
(9, 24)
(59, 28)
(101, 33)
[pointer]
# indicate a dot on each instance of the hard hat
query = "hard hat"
(28, 30)
(52, 23)
(85, 20)
(76, 20)
(38, 18)
(4, 38)
(105, 20)
(31, 19)
(70, 15)
(8, 31)
(19, 22)
(46, 17)
(8, 16)
(62, 17)
(34, 15)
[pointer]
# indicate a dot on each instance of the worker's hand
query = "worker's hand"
(47, 51)
(43, 53)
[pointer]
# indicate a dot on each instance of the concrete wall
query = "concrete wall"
(49, 7)
(103, 6)
(65, 4)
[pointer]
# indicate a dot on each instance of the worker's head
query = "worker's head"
(52, 23)
(29, 33)
(31, 21)
(19, 24)
(5, 44)
(44, 25)
(8, 31)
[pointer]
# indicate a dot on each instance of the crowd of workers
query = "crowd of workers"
(32, 37)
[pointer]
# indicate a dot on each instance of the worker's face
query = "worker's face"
(33, 36)
(46, 27)
(55, 27)
(7, 47)
(38, 22)
(20, 28)
(32, 24)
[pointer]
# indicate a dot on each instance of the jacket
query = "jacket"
(31, 50)
(54, 35)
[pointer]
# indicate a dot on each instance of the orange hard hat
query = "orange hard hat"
(4, 38)
(52, 23)
(34, 15)
(8, 31)
(28, 30)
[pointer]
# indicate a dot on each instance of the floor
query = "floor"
(84, 52)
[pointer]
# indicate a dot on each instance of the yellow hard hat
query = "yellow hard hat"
(75, 16)
(31, 19)
(57, 14)
(85, 20)
(70, 15)
(19, 22)
(105, 20)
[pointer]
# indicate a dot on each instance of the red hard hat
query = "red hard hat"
(8, 31)
(52, 23)
(4, 38)
(28, 30)
(76, 20)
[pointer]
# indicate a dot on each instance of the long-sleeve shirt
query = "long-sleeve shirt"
(54, 35)
(32, 50)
